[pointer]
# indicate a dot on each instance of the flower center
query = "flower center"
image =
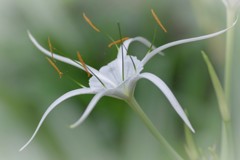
(113, 71)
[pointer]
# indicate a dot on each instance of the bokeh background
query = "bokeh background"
(28, 83)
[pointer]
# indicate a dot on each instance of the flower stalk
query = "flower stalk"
(148, 123)
(227, 151)
(229, 54)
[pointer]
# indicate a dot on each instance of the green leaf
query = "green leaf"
(218, 90)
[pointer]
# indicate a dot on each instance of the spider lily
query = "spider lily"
(118, 78)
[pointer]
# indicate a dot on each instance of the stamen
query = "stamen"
(92, 73)
(134, 65)
(50, 46)
(120, 34)
(97, 78)
(158, 20)
(83, 63)
(117, 41)
(55, 67)
(153, 40)
(75, 81)
(90, 22)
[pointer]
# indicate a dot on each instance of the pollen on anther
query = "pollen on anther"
(83, 63)
(55, 67)
(158, 20)
(90, 22)
(118, 41)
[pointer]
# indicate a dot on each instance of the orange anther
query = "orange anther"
(90, 22)
(83, 63)
(118, 41)
(55, 67)
(158, 20)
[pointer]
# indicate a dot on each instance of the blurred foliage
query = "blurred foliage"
(28, 84)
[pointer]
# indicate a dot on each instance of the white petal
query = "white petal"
(122, 52)
(68, 60)
(169, 95)
(112, 72)
(54, 104)
(89, 108)
(171, 44)
(125, 45)
(48, 53)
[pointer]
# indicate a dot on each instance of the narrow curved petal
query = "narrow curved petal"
(54, 104)
(171, 44)
(167, 92)
(122, 52)
(89, 108)
(68, 60)
(48, 53)
(125, 45)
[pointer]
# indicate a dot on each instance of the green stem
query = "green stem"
(227, 141)
(229, 54)
(135, 106)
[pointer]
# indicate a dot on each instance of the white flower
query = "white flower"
(233, 4)
(118, 78)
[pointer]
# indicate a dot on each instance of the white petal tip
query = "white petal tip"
(22, 148)
(26, 144)
(190, 127)
(29, 33)
(72, 126)
(31, 36)
(192, 130)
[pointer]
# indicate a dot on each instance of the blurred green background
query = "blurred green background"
(28, 84)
